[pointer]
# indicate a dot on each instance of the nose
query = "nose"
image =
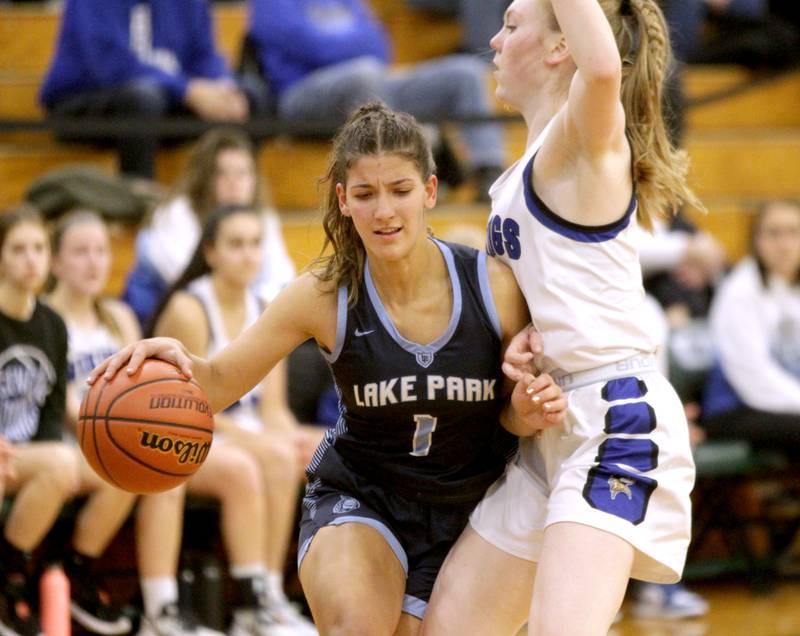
(494, 43)
(383, 209)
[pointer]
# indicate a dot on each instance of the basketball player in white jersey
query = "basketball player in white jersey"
(604, 497)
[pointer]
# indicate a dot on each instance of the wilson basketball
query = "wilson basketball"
(146, 432)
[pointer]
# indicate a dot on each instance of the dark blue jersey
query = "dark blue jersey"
(420, 420)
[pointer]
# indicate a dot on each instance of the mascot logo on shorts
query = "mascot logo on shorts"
(619, 485)
(345, 504)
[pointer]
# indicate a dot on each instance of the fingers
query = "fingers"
(513, 372)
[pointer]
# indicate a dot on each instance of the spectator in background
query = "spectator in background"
(46, 471)
(754, 392)
(479, 20)
(141, 60)
(209, 305)
(754, 33)
(221, 170)
(97, 326)
(322, 58)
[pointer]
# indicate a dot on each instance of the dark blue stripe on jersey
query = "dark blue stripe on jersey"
(641, 454)
(619, 492)
(341, 325)
(635, 418)
(486, 293)
(624, 389)
(383, 315)
(568, 229)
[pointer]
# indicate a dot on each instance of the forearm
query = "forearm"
(589, 38)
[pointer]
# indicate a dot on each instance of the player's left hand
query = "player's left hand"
(538, 402)
(524, 354)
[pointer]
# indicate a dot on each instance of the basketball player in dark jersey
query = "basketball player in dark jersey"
(419, 440)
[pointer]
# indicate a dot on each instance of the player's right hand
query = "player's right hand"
(131, 357)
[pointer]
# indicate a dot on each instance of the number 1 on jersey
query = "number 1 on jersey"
(426, 424)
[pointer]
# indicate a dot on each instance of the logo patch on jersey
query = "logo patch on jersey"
(358, 333)
(345, 504)
(425, 359)
(617, 485)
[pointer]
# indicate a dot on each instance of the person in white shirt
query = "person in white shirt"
(222, 170)
(605, 497)
(753, 392)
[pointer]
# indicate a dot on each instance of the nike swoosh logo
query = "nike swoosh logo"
(358, 333)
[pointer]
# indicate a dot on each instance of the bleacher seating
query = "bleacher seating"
(742, 148)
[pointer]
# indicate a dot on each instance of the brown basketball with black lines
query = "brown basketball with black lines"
(147, 432)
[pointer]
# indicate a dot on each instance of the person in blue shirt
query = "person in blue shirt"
(141, 59)
(322, 58)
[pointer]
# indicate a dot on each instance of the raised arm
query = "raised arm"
(595, 118)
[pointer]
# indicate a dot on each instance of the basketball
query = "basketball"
(147, 432)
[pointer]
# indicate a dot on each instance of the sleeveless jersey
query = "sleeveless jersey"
(583, 284)
(87, 347)
(245, 411)
(420, 420)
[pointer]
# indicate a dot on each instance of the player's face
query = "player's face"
(236, 253)
(83, 260)
(387, 198)
(25, 257)
(234, 178)
(778, 240)
(520, 50)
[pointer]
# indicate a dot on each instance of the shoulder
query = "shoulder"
(49, 315)
(124, 317)
(184, 306)
(508, 299)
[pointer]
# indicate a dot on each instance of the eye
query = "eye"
(363, 196)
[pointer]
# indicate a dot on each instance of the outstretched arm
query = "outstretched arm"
(303, 310)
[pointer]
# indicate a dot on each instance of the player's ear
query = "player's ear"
(342, 196)
(558, 50)
(431, 189)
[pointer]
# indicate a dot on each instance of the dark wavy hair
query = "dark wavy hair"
(198, 265)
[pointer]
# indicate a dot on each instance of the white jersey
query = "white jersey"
(583, 284)
(244, 412)
(88, 347)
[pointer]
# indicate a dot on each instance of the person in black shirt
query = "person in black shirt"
(414, 330)
(46, 471)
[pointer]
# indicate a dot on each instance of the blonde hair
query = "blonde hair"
(659, 168)
(371, 130)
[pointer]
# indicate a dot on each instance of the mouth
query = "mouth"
(389, 231)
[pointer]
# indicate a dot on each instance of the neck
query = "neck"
(538, 114)
(228, 294)
(15, 303)
(77, 309)
(397, 282)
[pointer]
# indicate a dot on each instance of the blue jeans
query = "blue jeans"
(452, 86)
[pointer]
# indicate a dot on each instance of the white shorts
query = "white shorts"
(621, 463)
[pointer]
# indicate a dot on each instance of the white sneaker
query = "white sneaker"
(170, 622)
(653, 601)
(288, 614)
(258, 622)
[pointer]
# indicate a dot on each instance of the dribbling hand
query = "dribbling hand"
(132, 356)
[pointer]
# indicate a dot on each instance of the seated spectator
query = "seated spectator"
(46, 471)
(208, 306)
(142, 60)
(221, 170)
(754, 391)
(96, 327)
(322, 58)
(479, 20)
(754, 33)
